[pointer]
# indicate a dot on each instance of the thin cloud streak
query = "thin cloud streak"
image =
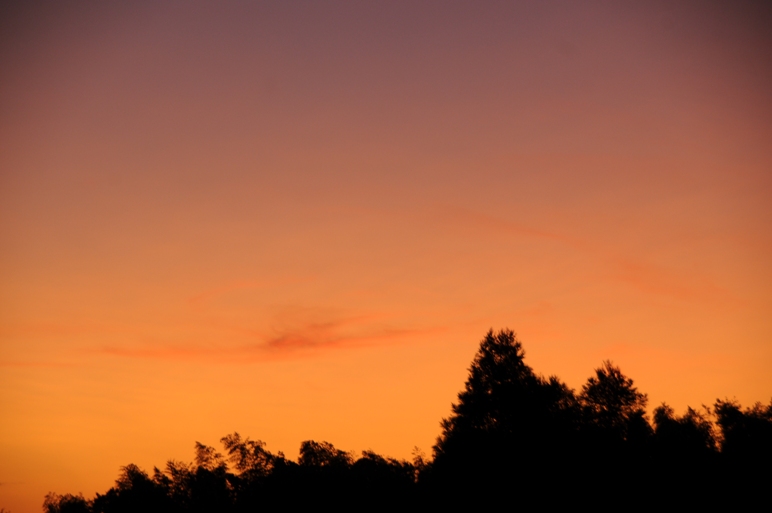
(306, 339)
(650, 279)
(644, 277)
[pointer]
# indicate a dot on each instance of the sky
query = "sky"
(297, 220)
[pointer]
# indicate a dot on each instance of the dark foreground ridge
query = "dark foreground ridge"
(514, 438)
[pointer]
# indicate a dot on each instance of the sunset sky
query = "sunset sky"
(297, 220)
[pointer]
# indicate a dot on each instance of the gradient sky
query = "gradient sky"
(298, 220)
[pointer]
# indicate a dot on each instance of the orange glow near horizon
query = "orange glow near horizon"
(297, 221)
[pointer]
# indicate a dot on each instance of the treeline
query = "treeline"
(513, 436)
(247, 477)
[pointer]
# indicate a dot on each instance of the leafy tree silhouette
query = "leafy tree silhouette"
(509, 426)
(746, 446)
(745, 434)
(249, 457)
(689, 437)
(261, 479)
(66, 503)
(615, 434)
(374, 475)
(613, 406)
(324, 474)
(323, 454)
(513, 437)
(684, 457)
(134, 490)
(210, 487)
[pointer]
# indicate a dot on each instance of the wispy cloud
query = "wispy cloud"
(328, 335)
(645, 277)
(297, 333)
(658, 280)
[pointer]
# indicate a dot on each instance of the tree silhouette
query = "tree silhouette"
(508, 426)
(615, 434)
(613, 406)
(391, 481)
(689, 437)
(249, 457)
(745, 434)
(134, 490)
(66, 503)
(684, 457)
(322, 454)
(513, 437)
(746, 446)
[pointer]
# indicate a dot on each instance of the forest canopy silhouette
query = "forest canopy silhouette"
(513, 435)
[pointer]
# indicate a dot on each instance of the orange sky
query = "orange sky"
(297, 221)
